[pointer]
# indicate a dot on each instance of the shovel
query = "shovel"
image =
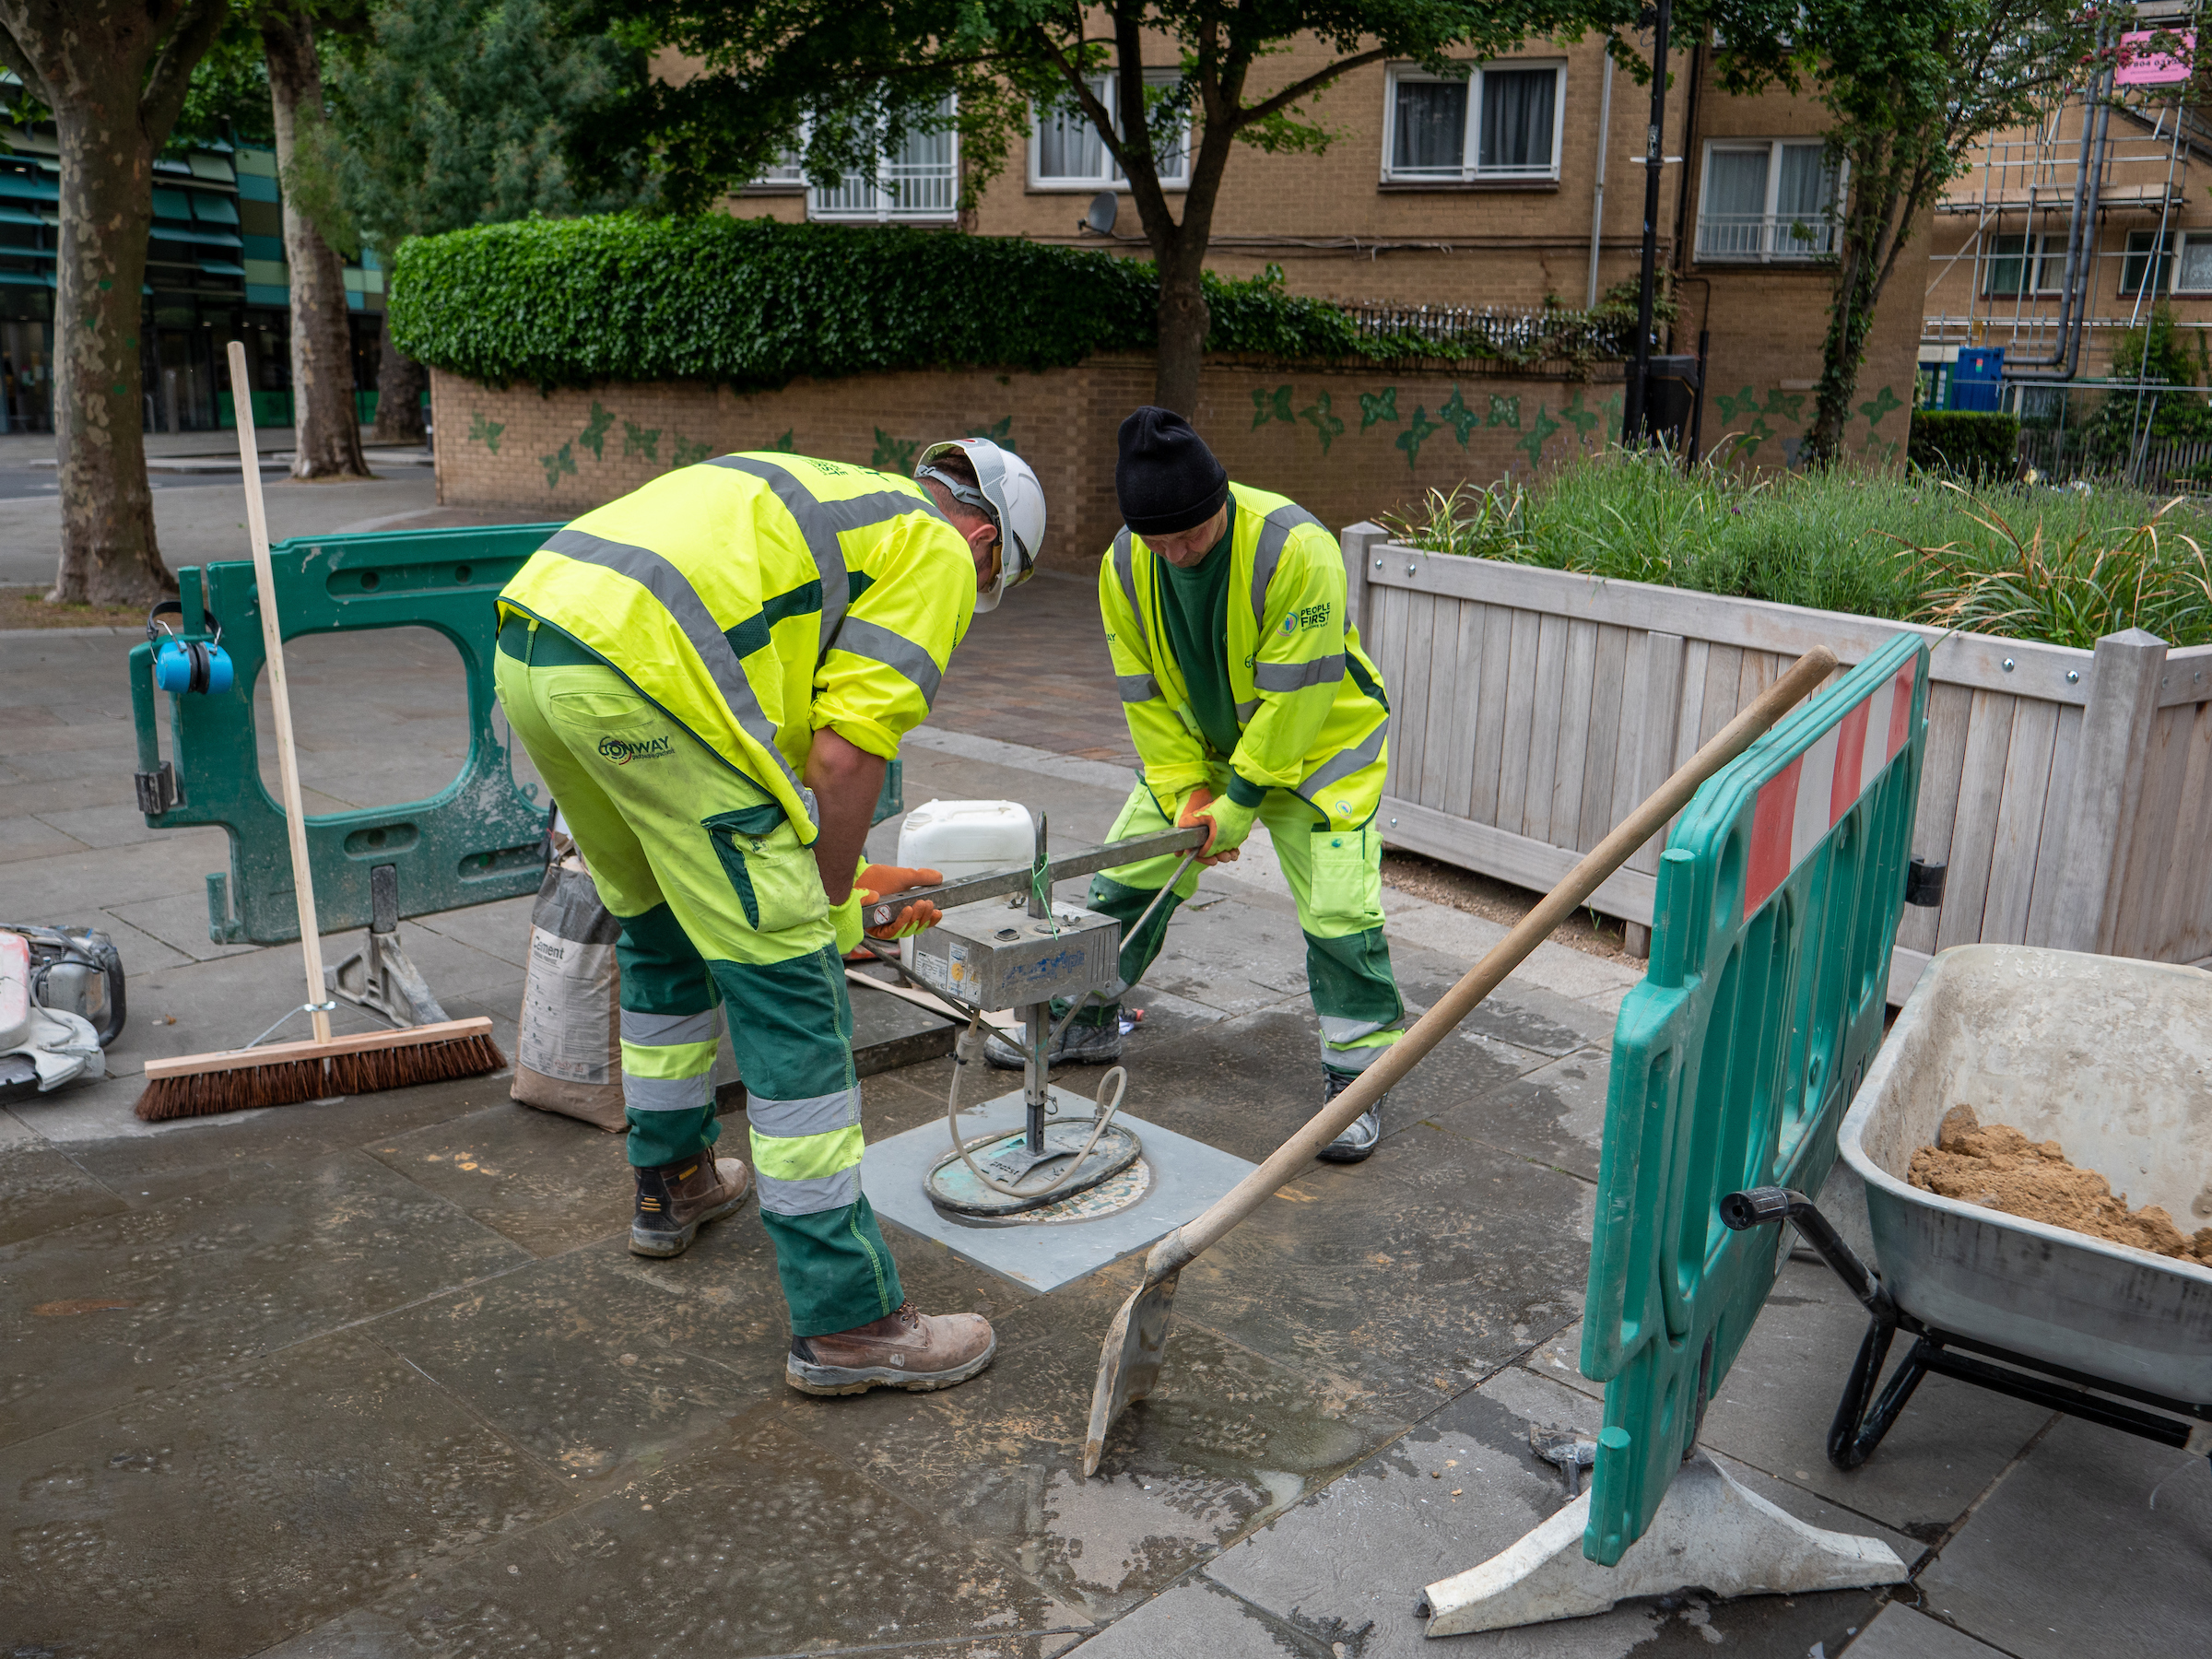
(1137, 1340)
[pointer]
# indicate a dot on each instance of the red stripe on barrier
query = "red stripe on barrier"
(1901, 712)
(1851, 751)
(1771, 818)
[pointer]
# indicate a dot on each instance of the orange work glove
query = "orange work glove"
(1225, 823)
(877, 882)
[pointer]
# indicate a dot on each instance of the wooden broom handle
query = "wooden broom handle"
(1173, 1252)
(280, 700)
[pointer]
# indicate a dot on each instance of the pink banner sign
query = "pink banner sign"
(2140, 66)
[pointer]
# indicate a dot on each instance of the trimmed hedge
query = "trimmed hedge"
(1977, 445)
(752, 303)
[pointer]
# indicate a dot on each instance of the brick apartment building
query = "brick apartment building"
(1521, 186)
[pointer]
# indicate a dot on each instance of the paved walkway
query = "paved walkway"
(379, 1378)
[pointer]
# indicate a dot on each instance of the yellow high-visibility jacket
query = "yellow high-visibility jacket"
(1312, 711)
(756, 598)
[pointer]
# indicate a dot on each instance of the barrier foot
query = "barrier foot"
(1710, 1532)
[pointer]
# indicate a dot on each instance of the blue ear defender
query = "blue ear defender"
(201, 666)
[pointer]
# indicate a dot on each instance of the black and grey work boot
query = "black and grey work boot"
(1366, 1132)
(1080, 1044)
(676, 1200)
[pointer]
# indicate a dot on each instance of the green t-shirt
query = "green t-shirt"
(1193, 612)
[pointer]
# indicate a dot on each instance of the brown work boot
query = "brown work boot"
(676, 1200)
(906, 1349)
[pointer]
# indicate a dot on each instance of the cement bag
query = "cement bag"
(567, 1054)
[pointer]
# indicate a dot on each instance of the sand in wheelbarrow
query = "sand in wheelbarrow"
(1995, 1165)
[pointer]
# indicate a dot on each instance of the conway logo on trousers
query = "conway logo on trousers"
(623, 750)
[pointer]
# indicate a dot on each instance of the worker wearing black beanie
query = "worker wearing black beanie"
(1249, 700)
(1166, 478)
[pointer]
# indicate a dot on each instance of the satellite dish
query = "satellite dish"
(1105, 208)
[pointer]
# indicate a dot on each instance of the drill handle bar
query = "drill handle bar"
(998, 884)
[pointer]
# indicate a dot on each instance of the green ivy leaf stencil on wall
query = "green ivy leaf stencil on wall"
(1789, 405)
(1270, 405)
(641, 441)
(783, 445)
(689, 454)
(1458, 417)
(1875, 407)
(1538, 435)
(1316, 415)
(1504, 412)
(1378, 405)
(486, 432)
(593, 436)
(1740, 406)
(1615, 408)
(1578, 414)
(894, 455)
(562, 461)
(999, 433)
(1416, 434)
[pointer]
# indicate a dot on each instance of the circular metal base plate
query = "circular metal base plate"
(950, 1184)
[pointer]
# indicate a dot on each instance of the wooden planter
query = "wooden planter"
(2069, 793)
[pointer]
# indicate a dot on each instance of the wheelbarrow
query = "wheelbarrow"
(2112, 1058)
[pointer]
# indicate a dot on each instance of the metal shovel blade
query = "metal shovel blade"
(1129, 1362)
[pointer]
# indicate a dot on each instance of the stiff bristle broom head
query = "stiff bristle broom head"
(286, 1073)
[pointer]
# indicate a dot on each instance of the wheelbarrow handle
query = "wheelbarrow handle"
(1762, 1206)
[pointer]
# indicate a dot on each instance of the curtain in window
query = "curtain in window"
(1807, 188)
(1517, 120)
(2135, 268)
(1068, 147)
(2007, 269)
(2196, 264)
(1732, 218)
(1432, 126)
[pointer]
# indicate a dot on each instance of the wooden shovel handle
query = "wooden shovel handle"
(1173, 1252)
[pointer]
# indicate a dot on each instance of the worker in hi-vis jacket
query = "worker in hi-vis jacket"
(711, 674)
(1248, 698)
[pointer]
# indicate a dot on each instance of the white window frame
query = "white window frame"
(858, 198)
(2046, 249)
(2180, 261)
(1470, 171)
(785, 172)
(1776, 245)
(1106, 84)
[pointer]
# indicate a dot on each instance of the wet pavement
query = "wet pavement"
(380, 1377)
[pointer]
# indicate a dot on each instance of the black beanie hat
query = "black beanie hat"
(1167, 479)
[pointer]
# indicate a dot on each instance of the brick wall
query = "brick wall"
(1347, 443)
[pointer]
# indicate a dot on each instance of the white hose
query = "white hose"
(1118, 1078)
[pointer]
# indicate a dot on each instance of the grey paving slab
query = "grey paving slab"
(546, 1182)
(1555, 1114)
(1351, 1562)
(26, 798)
(1186, 1176)
(1559, 1359)
(1525, 1013)
(1900, 1632)
(501, 929)
(116, 823)
(1774, 1407)
(1419, 1271)
(42, 1188)
(25, 840)
(1200, 1616)
(174, 863)
(1228, 1437)
(759, 1544)
(220, 1514)
(2070, 1555)
(120, 1306)
(141, 952)
(109, 756)
(178, 922)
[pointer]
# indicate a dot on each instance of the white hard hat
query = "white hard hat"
(1010, 498)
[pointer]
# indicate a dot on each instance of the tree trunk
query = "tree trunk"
(400, 380)
(109, 554)
(1183, 324)
(1859, 268)
(327, 438)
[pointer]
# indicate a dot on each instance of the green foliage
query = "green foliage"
(2151, 353)
(2023, 563)
(753, 303)
(456, 112)
(1976, 445)
(228, 97)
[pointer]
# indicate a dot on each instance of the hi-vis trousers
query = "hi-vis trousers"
(1336, 877)
(718, 899)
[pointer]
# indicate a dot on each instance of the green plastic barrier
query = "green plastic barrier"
(1733, 1061)
(480, 839)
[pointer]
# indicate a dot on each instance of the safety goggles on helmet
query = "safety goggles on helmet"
(1006, 492)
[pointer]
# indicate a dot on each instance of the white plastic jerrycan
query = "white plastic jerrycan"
(965, 838)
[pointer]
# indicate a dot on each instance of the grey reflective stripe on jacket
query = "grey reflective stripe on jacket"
(894, 650)
(1344, 763)
(1124, 568)
(1136, 688)
(1297, 676)
(666, 1031)
(821, 521)
(1274, 532)
(681, 601)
